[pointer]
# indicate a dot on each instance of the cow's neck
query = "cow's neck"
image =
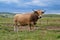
(36, 15)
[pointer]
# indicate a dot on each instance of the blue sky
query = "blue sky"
(51, 6)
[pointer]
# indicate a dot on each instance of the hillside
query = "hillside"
(6, 14)
(51, 15)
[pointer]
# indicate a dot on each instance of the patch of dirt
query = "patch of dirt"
(53, 27)
(39, 28)
(35, 28)
(28, 28)
(7, 24)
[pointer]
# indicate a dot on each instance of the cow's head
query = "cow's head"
(39, 13)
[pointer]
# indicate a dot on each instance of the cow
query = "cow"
(29, 19)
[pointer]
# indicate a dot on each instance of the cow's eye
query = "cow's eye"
(42, 12)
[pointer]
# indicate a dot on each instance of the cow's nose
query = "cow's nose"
(40, 17)
(42, 12)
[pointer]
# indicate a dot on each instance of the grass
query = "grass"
(26, 35)
(6, 20)
(7, 33)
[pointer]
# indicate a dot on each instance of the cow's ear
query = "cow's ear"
(35, 11)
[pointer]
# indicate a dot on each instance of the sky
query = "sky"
(51, 6)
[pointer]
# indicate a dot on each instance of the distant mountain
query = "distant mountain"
(6, 13)
(9, 14)
(51, 15)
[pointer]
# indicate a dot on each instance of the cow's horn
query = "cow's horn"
(44, 10)
(33, 9)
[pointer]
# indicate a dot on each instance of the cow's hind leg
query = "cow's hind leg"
(15, 29)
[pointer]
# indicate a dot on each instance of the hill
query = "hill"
(6, 14)
(9, 14)
(51, 15)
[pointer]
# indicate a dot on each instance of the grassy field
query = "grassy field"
(7, 33)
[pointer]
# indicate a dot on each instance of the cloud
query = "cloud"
(45, 3)
(9, 1)
(39, 2)
(27, 5)
(31, 2)
(36, 2)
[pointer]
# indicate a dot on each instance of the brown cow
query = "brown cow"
(27, 19)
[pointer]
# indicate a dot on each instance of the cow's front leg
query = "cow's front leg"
(16, 28)
(29, 26)
(32, 25)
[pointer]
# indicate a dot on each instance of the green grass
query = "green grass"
(7, 33)
(33, 35)
(6, 20)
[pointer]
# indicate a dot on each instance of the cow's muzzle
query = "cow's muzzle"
(40, 17)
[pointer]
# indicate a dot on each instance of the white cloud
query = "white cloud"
(32, 2)
(22, 3)
(9, 1)
(38, 2)
(43, 2)
(18, 3)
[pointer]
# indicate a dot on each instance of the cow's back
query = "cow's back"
(22, 18)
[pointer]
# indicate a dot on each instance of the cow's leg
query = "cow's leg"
(32, 24)
(16, 27)
(29, 25)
